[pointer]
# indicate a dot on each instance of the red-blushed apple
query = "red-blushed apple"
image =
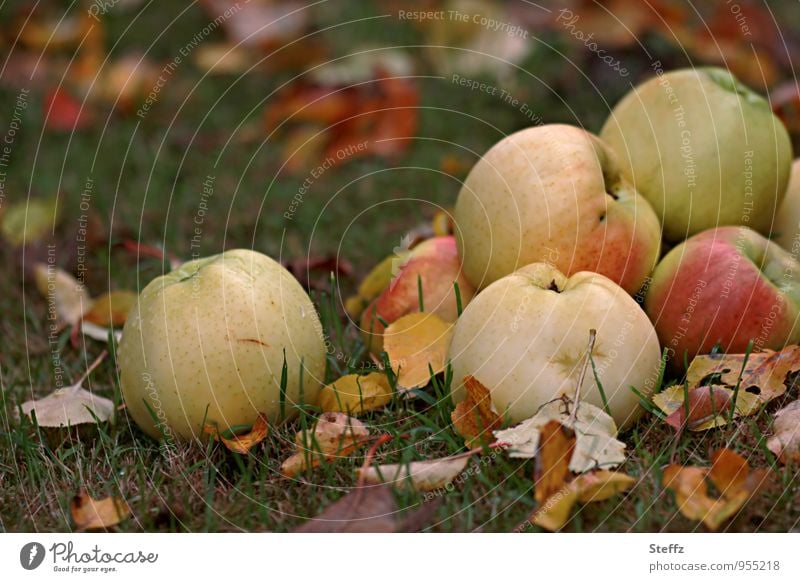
(725, 286)
(207, 342)
(435, 263)
(525, 338)
(786, 227)
(554, 194)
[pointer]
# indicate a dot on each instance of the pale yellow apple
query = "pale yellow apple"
(554, 194)
(786, 230)
(206, 342)
(525, 338)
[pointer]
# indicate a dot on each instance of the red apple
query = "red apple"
(725, 286)
(435, 262)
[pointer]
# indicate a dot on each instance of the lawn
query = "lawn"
(142, 177)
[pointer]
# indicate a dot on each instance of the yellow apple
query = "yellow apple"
(206, 342)
(525, 338)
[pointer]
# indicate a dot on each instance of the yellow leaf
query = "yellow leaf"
(671, 400)
(335, 435)
(89, 513)
(29, 221)
(474, 418)
(65, 295)
(415, 344)
(242, 443)
(111, 309)
(419, 475)
(355, 394)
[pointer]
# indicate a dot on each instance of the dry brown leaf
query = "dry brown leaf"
(111, 309)
(474, 418)
(68, 407)
(596, 443)
(730, 474)
(241, 443)
(369, 509)
(785, 440)
(589, 487)
(356, 394)
(417, 344)
(65, 294)
(335, 435)
(551, 471)
(90, 514)
(418, 475)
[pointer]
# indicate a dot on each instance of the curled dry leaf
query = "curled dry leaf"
(89, 513)
(241, 443)
(418, 475)
(29, 221)
(596, 443)
(731, 476)
(370, 509)
(355, 394)
(587, 488)
(417, 344)
(785, 441)
(111, 309)
(333, 436)
(556, 443)
(65, 294)
(474, 418)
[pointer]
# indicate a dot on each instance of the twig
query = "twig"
(589, 348)
(362, 474)
(98, 360)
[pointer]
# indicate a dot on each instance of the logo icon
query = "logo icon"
(31, 555)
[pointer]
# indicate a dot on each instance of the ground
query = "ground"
(147, 177)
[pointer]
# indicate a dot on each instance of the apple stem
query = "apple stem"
(589, 349)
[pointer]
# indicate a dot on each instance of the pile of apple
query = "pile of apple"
(557, 232)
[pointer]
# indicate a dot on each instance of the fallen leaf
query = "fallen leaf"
(706, 404)
(69, 406)
(785, 440)
(54, 31)
(551, 471)
(356, 394)
(732, 477)
(218, 58)
(369, 509)
(259, 24)
(417, 346)
(111, 309)
(29, 221)
(474, 418)
(586, 488)
(63, 112)
(99, 333)
(241, 443)
(335, 435)
(596, 443)
(90, 514)
(418, 475)
(126, 82)
(65, 295)
(671, 401)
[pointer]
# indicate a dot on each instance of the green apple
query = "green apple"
(554, 194)
(786, 230)
(525, 338)
(207, 343)
(704, 149)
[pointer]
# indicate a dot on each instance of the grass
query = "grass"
(147, 179)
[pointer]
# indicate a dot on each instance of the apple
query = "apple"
(724, 286)
(206, 342)
(786, 230)
(554, 194)
(525, 338)
(704, 149)
(435, 262)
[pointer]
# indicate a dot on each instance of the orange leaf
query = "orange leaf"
(335, 435)
(473, 418)
(111, 309)
(89, 513)
(556, 443)
(242, 443)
